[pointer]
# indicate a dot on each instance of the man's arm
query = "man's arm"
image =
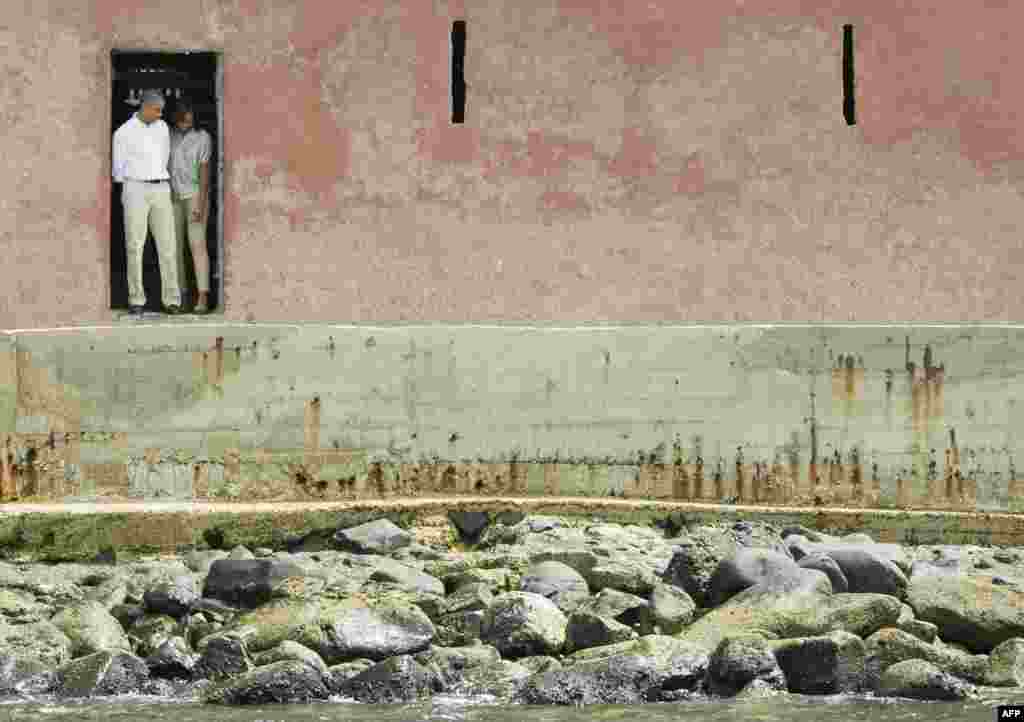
(204, 170)
(117, 166)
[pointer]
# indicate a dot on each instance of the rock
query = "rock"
(467, 598)
(214, 609)
(201, 560)
(101, 673)
(24, 676)
(1006, 664)
(174, 598)
(337, 674)
(828, 565)
(868, 572)
(470, 524)
(151, 631)
(671, 609)
(282, 682)
(172, 660)
(1006, 556)
(539, 663)
(276, 621)
(127, 614)
(355, 630)
(450, 664)
(40, 641)
(110, 593)
(91, 628)
(262, 552)
(894, 553)
(497, 580)
(970, 610)
(240, 552)
(799, 607)
(918, 679)
(522, 624)
(697, 555)
(827, 664)
(252, 582)
(623, 607)
(890, 645)
(925, 631)
(398, 679)
(586, 629)
(744, 569)
(502, 680)
(809, 534)
(738, 661)
(223, 655)
(558, 582)
(631, 578)
(388, 570)
(650, 669)
(291, 650)
(460, 628)
(375, 537)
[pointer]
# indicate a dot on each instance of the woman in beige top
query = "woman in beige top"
(189, 167)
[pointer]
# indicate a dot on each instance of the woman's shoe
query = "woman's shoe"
(201, 308)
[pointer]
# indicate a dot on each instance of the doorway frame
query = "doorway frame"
(219, 279)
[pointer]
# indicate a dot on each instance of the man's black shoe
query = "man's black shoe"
(173, 310)
(136, 311)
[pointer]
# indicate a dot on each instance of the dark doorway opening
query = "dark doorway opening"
(192, 75)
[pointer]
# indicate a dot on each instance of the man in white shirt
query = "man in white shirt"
(142, 148)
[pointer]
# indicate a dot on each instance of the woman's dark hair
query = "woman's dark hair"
(183, 106)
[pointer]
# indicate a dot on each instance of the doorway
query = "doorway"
(187, 74)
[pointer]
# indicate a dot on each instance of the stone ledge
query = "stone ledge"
(79, 531)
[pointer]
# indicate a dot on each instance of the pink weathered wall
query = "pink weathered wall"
(656, 161)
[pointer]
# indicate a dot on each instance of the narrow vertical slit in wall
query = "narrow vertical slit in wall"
(458, 75)
(848, 86)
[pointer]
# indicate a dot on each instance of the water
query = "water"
(784, 708)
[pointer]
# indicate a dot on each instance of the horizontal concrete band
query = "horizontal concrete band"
(81, 531)
(916, 416)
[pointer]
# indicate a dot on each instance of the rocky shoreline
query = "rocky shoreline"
(524, 609)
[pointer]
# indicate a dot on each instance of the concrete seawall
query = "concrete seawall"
(872, 417)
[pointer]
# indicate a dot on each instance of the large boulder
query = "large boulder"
(100, 674)
(172, 660)
(671, 609)
(291, 650)
(629, 609)
(375, 537)
(633, 577)
(925, 631)
(890, 645)
(558, 582)
(522, 624)
(452, 664)
(252, 582)
(173, 597)
(826, 664)
(971, 610)
(398, 679)
(1006, 664)
(894, 553)
(470, 524)
(825, 563)
(651, 669)
(91, 628)
(23, 675)
(799, 606)
(223, 655)
(697, 554)
(587, 629)
(744, 569)
(277, 621)
(407, 577)
(918, 679)
(40, 641)
(353, 630)
(281, 682)
(739, 661)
